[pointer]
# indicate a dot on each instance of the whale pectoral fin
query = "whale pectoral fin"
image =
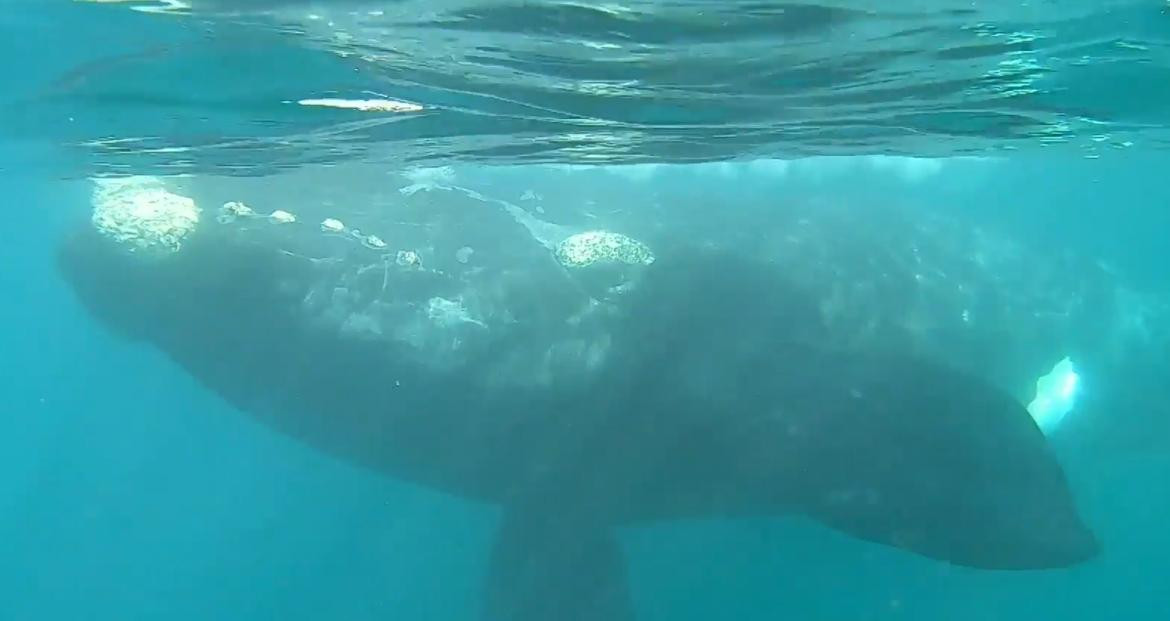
(552, 567)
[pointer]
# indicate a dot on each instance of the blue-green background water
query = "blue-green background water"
(129, 492)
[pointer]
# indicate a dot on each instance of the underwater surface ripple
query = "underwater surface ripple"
(694, 80)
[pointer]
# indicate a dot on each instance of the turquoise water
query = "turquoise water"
(131, 490)
(589, 83)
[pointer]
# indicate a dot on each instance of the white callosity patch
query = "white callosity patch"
(232, 211)
(333, 226)
(281, 216)
(140, 213)
(235, 210)
(593, 247)
(407, 258)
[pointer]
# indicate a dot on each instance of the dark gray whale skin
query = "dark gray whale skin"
(716, 398)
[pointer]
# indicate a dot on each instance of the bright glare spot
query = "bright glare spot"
(160, 6)
(1055, 396)
(364, 105)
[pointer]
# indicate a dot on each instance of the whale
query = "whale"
(702, 385)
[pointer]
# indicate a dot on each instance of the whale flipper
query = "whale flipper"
(551, 566)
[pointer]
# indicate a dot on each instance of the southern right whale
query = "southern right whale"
(704, 391)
